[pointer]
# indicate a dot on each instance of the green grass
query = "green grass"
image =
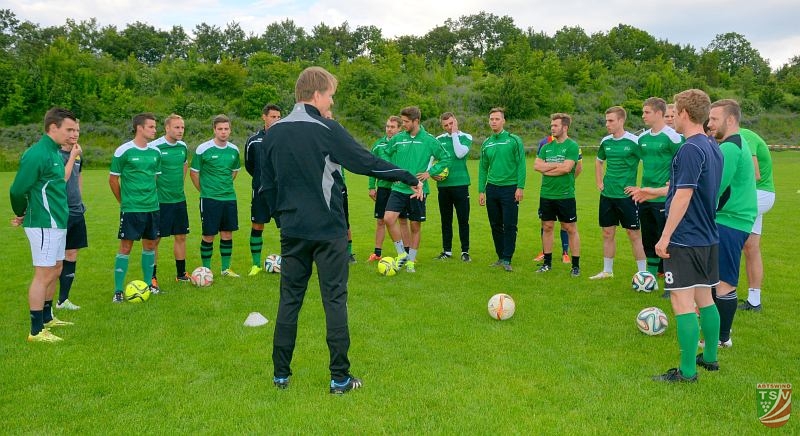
(571, 360)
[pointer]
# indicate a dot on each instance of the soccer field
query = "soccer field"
(571, 360)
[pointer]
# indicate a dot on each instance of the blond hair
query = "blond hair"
(696, 104)
(619, 111)
(311, 80)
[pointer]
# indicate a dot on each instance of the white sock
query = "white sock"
(398, 245)
(754, 296)
(412, 254)
(641, 264)
(608, 265)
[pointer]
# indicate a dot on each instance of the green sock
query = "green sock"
(688, 335)
(120, 270)
(256, 245)
(349, 247)
(148, 263)
(206, 250)
(225, 250)
(709, 320)
(652, 265)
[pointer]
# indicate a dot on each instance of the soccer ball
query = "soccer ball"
(387, 266)
(137, 291)
(272, 264)
(643, 281)
(652, 321)
(202, 277)
(443, 175)
(501, 307)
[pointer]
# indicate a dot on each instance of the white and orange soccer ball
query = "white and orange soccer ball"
(272, 264)
(652, 321)
(501, 307)
(202, 277)
(643, 281)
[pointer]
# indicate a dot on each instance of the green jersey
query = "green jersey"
(760, 150)
(737, 205)
(502, 161)
(137, 168)
(657, 151)
(563, 186)
(621, 156)
(173, 160)
(216, 166)
(456, 145)
(414, 154)
(39, 191)
(379, 150)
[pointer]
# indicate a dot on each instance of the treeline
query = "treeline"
(468, 65)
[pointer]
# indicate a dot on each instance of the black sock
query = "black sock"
(576, 261)
(154, 271)
(37, 322)
(378, 251)
(47, 311)
(726, 305)
(180, 267)
(548, 259)
(65, 280)
(406, 248)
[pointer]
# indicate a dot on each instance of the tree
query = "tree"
(628, 42)
(571, 41)
(145, 42)
(208, 42)
(735, 53)
(286, 40)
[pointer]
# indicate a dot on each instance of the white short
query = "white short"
(766, 200)
(47, 245)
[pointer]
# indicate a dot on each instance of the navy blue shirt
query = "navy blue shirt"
(698, 166)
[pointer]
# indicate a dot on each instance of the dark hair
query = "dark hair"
(57, 116)
(139, 119)
(411, 112)
(497, 109)
(730, 107)
(657, 104)
(566, 120)
(446, 116)
(270, 107)
(221, 118)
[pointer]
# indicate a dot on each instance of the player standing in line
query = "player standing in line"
(620, 152)
(737, 208)
(557, 161)
(454, 189)
(669, 115)
(689, 242)
(39, 201)
(412, 149)
(379, 191)
(301, 175)
(134, 169)
(657, 146)
(214, 167)
(501, 184)
(76, 223)
(765, 193)
(564, 236)
(259, 214)
(174, 215)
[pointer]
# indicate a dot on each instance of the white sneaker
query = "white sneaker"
(726, 344)
(602, 275)
(68, 305)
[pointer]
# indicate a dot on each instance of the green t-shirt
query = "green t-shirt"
(39, 191)
(502, 161)
(458, 174)
(621, 156)
(760, 149)
(563, 186)
(737, 206)
(137, 168)
(379, 149)
(170, 182)
(657, 151)
(414, 154)
(216, 166)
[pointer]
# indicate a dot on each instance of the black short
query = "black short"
(218, 215)
(731, 243)
(381, 197)
(691, 267)
(259, 209)
(618, 211)
(652, 219)
(346, 207)
(174, 219)
(564, 210)
(76, 232)
(413, 209)
(134, 226)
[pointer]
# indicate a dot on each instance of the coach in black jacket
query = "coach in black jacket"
(301, 174)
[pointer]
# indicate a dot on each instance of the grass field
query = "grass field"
(571, 360)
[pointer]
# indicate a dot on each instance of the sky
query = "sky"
(771, 26)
